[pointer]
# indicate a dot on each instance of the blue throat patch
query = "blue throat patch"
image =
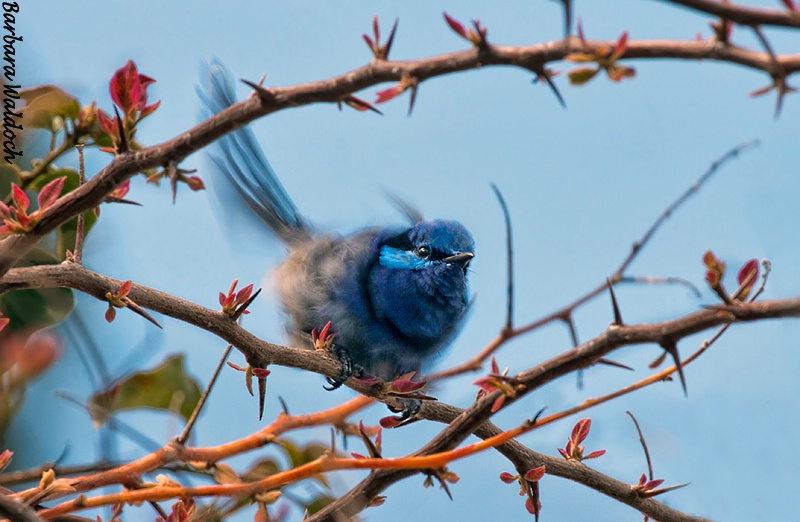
(396, 258)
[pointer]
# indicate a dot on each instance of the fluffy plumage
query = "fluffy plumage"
(395, 296)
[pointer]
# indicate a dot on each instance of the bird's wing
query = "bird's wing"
(242, 163)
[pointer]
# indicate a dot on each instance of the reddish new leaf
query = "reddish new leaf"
(125, 288)
(747, 279)
(51, 192)
(125, 87)
(455, 25)
(391, 93)
(20, 198)
(507, 477)
(535, 474)
(620, 46)
(107, 125)
(580, 431)
(390, 422)
(595, 454)
(405, 386)
(749, 272)
(533, 510)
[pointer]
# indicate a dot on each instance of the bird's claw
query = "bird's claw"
(349, 368)
(409, 408)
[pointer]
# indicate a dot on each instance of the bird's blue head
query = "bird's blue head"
(419, 287)
(427, 244)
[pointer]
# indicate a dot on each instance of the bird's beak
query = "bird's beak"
(462, 259)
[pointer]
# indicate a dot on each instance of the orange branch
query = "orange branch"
(129, 473)
(323, 464)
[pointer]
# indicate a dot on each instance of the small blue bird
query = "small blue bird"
(395, 296)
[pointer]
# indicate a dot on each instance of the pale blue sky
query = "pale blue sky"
(582, 184)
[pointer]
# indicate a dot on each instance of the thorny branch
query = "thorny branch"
(460, 422)
(740, 14)
(565, 313)
(74, 276)
(333, 90)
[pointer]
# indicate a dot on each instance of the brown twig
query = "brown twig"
(509, 326)
(42, 166)
(17, 511)
(259, 352)
(79, 229)
(474, 418)
(644, 445)
(565, 314)
(75, 276)
(187, 430)
(531, 57)
(740, 14)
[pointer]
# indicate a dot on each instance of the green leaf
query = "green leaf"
(163, 388)
(317, 503)
(33, 309)
(261, 469)
(45, 104)
(581, 75)
(299, 455)
(70, 184)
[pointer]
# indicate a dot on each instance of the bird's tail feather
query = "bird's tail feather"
(242, 163)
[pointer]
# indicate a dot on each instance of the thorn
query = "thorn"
(657, 362)
(615, 364)
(113, 199)
(573, 334)
(390, 40)
(567, 16)
(239, 311)
(671, 348)
(123, 139)
(263, 93)
(262, 395)
(549, 81)
(371, 448)
(535, 418)
(135, 308)
(779, 77)
(284, 407)
(445, 488)
(431, 473)
(172, 173)
(413, 97)
(666, 489)
(357, 103)
(617, 314)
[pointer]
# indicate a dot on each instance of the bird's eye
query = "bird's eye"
(424, 251)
